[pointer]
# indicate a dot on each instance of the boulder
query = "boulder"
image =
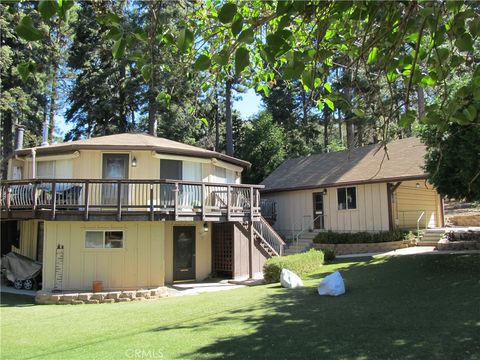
(290, 280)
(332, 285)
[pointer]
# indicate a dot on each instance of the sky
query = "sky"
(247, 104)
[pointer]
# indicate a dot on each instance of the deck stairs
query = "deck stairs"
(305, 242)
(266, 237)
(430, 237)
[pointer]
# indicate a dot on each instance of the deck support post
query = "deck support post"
(119, 201)
(250, 249)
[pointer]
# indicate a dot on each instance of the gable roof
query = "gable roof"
(403, 160)
(130, 141)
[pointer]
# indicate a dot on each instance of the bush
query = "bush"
(300, 264)
(328, 255)
(331, 237)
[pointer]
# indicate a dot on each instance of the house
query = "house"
(133, 211)
(370, 188)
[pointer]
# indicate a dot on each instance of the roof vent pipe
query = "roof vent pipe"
(45, 133)
(19, 131)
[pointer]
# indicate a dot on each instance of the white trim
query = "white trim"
(73, 155)
(180, 158)
(213, 161)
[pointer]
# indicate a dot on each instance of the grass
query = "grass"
(405, 307)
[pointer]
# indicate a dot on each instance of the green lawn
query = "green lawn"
(395, 308)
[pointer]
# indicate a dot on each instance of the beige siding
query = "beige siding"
(139, 264)
(409, 201)
(28, 238)
(295, 210)
(203, 250)
(89, 165)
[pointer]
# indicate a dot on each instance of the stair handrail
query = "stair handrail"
(418, 223)
(270, 236)
(297, 236)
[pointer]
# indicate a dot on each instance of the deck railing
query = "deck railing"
(151, 197)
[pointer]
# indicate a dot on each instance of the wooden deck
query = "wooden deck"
(128, 200)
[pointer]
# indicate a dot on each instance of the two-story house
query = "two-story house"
(133, 211)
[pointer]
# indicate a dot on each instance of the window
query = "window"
(170, 169)
(46, 169)
(104, 239)
(192, 171)
(220, 174)
(347, 198)
(55, 169)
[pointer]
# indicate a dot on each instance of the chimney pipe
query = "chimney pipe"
(19, 131)
(45, 133)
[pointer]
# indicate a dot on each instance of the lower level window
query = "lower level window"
(347, 198)
(104, 239)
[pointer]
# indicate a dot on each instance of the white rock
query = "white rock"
(290, 280)
(332, 285)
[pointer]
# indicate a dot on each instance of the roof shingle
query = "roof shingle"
(404, 159)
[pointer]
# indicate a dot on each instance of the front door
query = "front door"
(318, 211)
(115, 167)
(183, 253)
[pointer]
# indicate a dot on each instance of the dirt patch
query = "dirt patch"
(459, 213)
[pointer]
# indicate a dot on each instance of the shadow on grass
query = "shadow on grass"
(9, 300)
(406, 307)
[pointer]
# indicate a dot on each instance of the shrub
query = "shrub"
(328, 255)
(331, 237)
(300, 264)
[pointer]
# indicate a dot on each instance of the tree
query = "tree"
(23, 96)
(263, 145)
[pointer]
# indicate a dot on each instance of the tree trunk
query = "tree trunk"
(53, 102)
(349, 114)
(228, 116)
(122, 99)
(7, 141)
(217, 125)
(152, 102)
(421, 102)
(326, 123)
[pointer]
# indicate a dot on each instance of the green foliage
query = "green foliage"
(301, 264)
(329, 255)
(331, 237)
(26, 30)
(263, 144)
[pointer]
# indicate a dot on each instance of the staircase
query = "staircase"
(267, 238)
(430, 237)
(305, 242)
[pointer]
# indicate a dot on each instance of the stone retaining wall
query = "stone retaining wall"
(345, 249)
(106, 297)
(458, 245)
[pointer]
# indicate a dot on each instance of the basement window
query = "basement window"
(104, 239)
(347, 198)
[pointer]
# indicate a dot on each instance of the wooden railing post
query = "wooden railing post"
(54, 199)
(119, 200)
(7, 199)
(203, 202)
(175, 204)
(229, 201)
(87, 200)
(251, 204)
(151, 203)
(34, 198)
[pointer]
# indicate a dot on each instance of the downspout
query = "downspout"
(34, 163)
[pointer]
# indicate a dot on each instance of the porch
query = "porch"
(128, 200)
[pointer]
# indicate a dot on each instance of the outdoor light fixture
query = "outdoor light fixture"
(324, 191)
(134, 162)
(205, 227)
(417, 185)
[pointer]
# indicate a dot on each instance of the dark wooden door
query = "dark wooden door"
(183, 253)
(318, 210)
